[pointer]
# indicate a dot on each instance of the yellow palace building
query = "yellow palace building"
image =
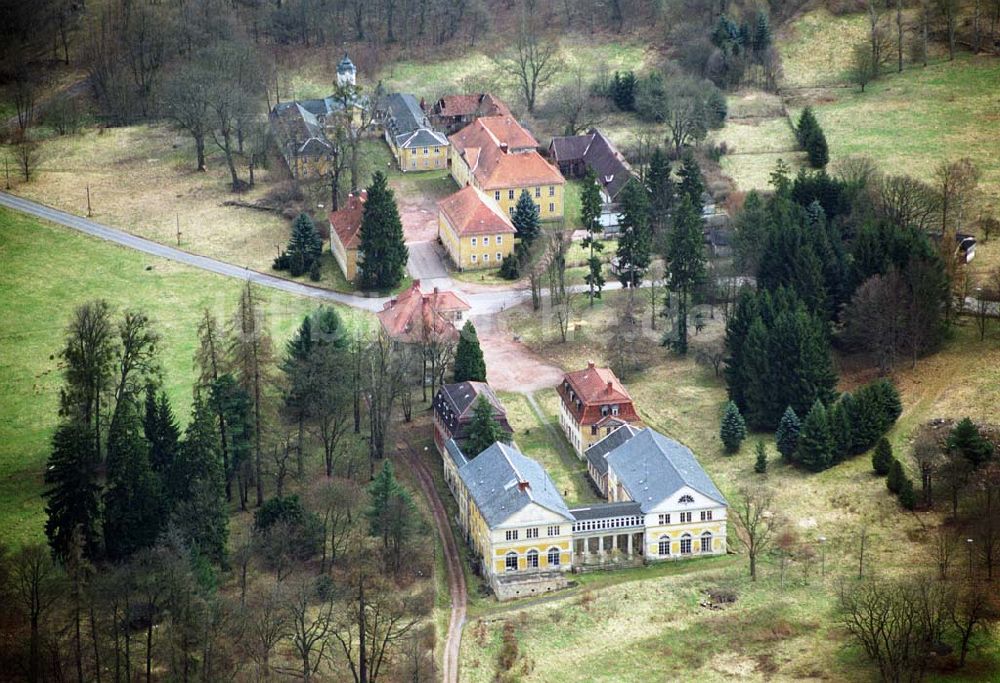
(475, 231)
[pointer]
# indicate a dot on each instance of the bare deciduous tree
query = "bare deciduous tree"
(532, 62)
(756, 523)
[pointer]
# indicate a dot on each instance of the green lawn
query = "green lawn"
(47, 272)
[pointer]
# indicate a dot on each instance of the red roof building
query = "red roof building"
(594, 404)
(415, 317)
(345, 233)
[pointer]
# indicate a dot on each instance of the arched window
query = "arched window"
(686, 544)
(553, 557)
(685, 499)
(532, 559)
(706, 542)
(510, 562)
(664, 545)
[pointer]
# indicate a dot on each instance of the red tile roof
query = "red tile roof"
(470, 212)
(346, 222)
(494, 131)
(597, 385)
(481, 104)
(414, 316)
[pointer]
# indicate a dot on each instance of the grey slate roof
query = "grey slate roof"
(604, 510)
(653, 467)
(596, 455)
(598, 154)
(502, 480)
(423, 137)
(404, 112)
(462, 395)
(455, 453)
(345, 65)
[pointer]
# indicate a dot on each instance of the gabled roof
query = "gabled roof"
(501, 154)
(570, 148)
(502, 481)
(405, 114)
(599, 154)
(653, 467)
(470, 212)
(595, 385)
(462, 396)
(478, 104)
(422, 137)
(346, 222)
(597, 454)
(495, 131)
(455, 453)
(414, 316)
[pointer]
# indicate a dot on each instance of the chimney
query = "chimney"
(435, 291)
(590, 365)
(416, 284)
(609, 387)
(503, 147)
(523, 486)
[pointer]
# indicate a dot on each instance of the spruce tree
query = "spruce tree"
(841, 430)
(907, 497)
(744, 313)
(691, 183)
(882, 457)
(806, 127)
(133, 506)
(635, 238)
(966, 440)
(161, 430)
(787, 435)
(661, 191)
(382, 252)
(761, 35)
(196, 486)
(391, 513)
(73, 494)
(469, 363)
(816, 444)
(894, 480)
(304, 247)
(484, 429)
(760, 465)
(891, 407)
(685, 257)
(811, 139)
(590, 215)
(756, 377)
(733, 429)
(526, 220)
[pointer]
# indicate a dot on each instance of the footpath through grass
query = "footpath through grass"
(48, 271)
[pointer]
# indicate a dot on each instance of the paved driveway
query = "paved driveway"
(427, 264)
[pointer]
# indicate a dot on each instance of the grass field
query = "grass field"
(47, 272)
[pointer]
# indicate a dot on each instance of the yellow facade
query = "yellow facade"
(565, 555)
(422, 158)
(347, 259)
(489, 250)
(676, 531)
(548, 199)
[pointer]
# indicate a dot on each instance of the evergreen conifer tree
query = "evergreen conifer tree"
(691, 183)
(73, 494)
(756, 376)
(841, 430)
(161, 430)
(907, 497)
(882, 457)
(305, 245)
(891, 407)
(894, 480)
(816, 444)
(526, 220)
(806, 127)
(484, 429)
(469, 363)
(966, 440)
(787, 435)
(685, 257)
(635, 239)
(383, 254)
(196, 486)
(133, 506)
(760, 465)
(761, 35)
(390, 514)
(661, 191)
(737, 328)
(590, 215)
(733, 429)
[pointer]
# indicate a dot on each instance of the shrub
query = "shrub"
(510, 269)
(882, 457)
(760, 466)
(907, 498)
(314, 271)
(894, 482)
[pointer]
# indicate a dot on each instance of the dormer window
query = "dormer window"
(614, 410)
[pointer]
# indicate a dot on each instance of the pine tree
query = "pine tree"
(161, 430)
(817, 151)
(907, 497)
(526, 220)
(685, 257)
(196, 485)
(882, 457)
(691, 183)
(383, 253)
(891, 407)
(469, 363)
(733, 429)
(390, 515)
(966, 440)
(787, 435)
(760, 465)
(744, 313)
(756, 376)
(304, 247)
(133, 508)
(73, 493)
(894, 480)
(484, 429)
(232, 405)
(661, 191)
(816, 445)
(590, 215)
(761, 35)
(634, 240)
(806, 126)
(841, 430)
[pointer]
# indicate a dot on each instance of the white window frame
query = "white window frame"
(510, 194)
(706, 515)
(552, 190)
(685, 517)
(553, 531)
(686, 538)
(531, 559)
(531, 533)
(511, 534)
(554, 557)
(473, 241)
(499, 239)
(486, 258)
(499, 256)
(552, 207)
(664, 542)
(507, 561)
(496, 195)
(486, 240)
(664, 518)
(538, 192)
(706, 542)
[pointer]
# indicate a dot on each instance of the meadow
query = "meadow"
(48, 271)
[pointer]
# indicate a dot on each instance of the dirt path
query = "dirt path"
(568, 457)
(510, 365)
(456, 578)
